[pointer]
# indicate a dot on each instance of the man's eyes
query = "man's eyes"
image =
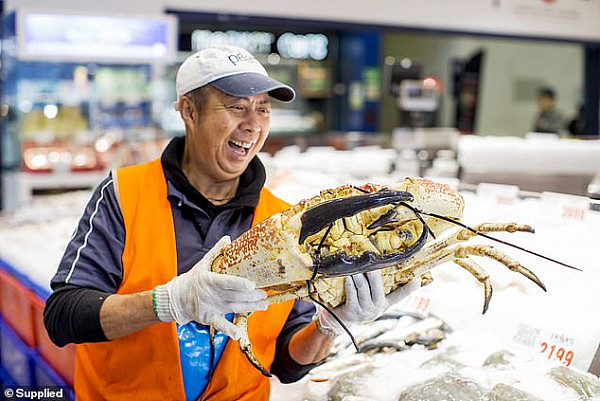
(235, 107)
(238, 108)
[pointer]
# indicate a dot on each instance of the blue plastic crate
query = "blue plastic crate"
(5, 379)
(45, 376)
(16, 357)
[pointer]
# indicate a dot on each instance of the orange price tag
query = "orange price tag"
(551, 345)
(573, 212)
(556, 352)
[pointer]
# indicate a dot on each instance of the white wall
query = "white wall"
(510, 67)
(512, 63)
(560, 18)
(574, 19)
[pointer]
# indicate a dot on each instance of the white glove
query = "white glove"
(205, 297)
(365, 300)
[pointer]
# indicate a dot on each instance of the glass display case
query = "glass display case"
(67, 116)
(80, 95)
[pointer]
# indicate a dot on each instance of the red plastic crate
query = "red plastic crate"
(16, 307)
(62, 360)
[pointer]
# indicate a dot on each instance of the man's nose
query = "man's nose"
(252, 120)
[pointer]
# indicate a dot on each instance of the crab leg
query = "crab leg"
(492, 253)
(481, 275)
(294, 292)
(463, 235)
(241, 320)
(458, 255)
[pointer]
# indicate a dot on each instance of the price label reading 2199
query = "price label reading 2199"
(565, 356)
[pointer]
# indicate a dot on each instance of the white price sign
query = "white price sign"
(498, 193)
(416, 303)
(554, 346)
(566, 207)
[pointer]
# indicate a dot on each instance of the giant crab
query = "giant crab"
(305, 251)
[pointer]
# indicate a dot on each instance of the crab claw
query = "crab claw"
(388, 217)
(322, 215)
(344, 265)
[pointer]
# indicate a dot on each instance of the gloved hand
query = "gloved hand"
(365, 300)
(205, 297)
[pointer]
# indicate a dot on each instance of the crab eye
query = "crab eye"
(405, 235)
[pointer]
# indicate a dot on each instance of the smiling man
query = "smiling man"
(134, 288)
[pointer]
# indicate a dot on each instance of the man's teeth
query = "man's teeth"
(245, 145)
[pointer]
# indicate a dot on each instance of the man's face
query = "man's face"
(545, 102)
(228, 135)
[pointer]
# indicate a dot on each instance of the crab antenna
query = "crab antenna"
(437, 216)
(364, 191)
(418, 214)
(322, 305)
(317, 264)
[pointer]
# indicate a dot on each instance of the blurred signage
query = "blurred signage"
(372, 82)
(68, 37)
(314, 79)
(255, 42)
(418, 95)
(546, 11)
(313, 46)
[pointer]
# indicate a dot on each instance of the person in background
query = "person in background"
(134, 288)
(576, 126)
(548, 120)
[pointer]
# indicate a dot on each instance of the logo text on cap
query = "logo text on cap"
(236, 58)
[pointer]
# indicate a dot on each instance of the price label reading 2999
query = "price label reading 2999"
(555, 352)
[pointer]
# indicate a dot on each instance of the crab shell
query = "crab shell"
(270, 254)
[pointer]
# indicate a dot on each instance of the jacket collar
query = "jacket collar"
(251, 181)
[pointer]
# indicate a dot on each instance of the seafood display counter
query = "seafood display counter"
(537, 162)
(436, 343)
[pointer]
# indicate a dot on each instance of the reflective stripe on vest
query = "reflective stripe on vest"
(145, 365)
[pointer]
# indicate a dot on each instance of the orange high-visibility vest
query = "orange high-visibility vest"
(145, 365)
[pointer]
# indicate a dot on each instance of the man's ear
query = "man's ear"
(187, 109)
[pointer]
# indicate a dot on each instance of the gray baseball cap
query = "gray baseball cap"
(232, 70)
